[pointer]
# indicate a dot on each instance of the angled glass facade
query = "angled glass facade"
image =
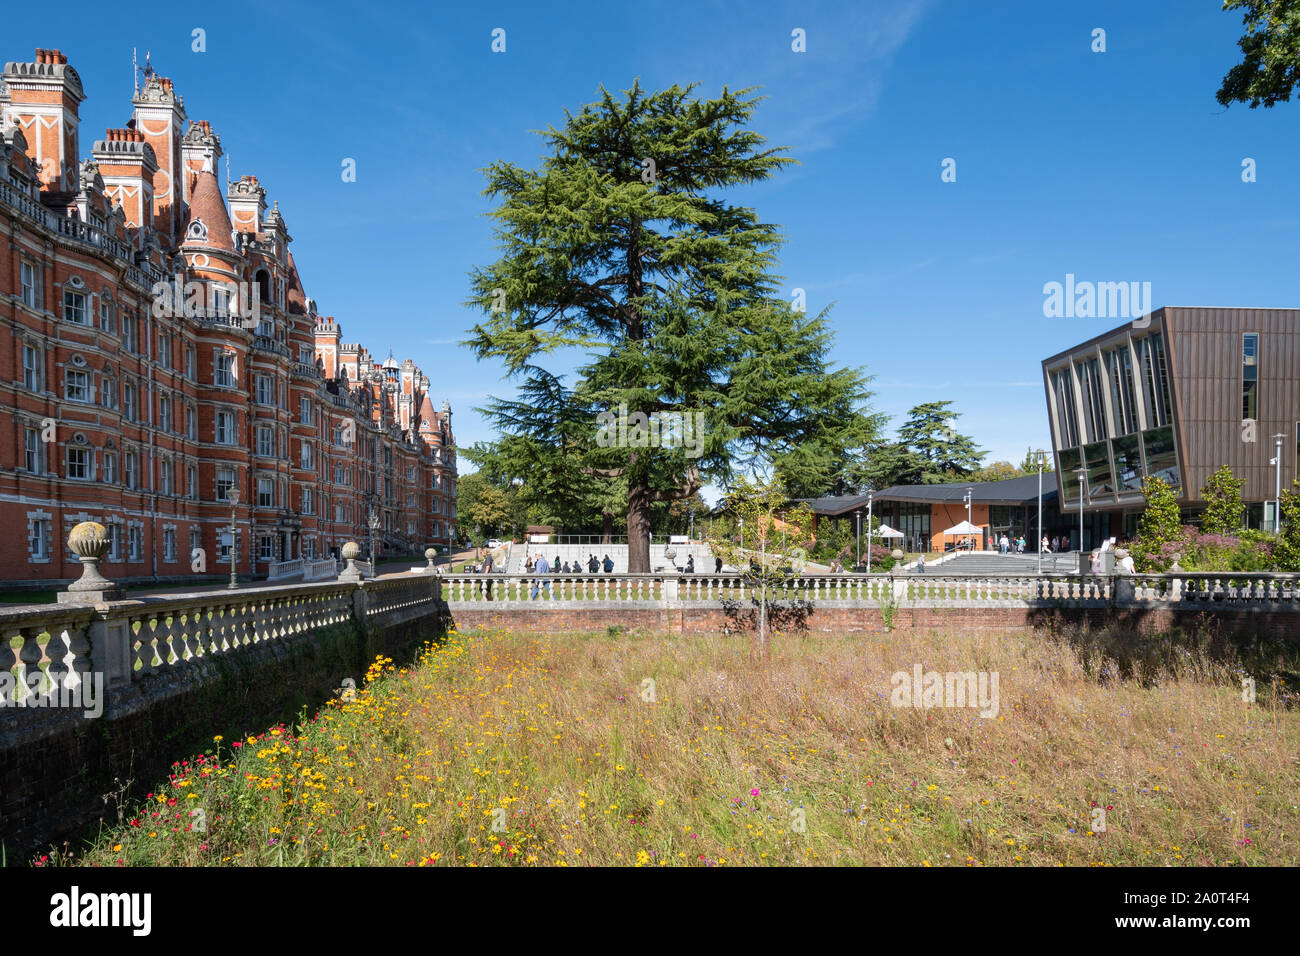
(1113, 417)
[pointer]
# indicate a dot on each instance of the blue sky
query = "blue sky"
(1114, 166)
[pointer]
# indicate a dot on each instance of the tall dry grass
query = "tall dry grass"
(518, 748)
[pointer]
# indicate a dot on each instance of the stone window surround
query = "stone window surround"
(48, 533)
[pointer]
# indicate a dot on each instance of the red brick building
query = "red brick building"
(157, 348)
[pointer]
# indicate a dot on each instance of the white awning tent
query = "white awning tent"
(965, 528)
(885, 531)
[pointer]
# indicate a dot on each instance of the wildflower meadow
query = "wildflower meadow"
(504, 748)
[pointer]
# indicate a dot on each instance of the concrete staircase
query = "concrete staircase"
(991, 562)
(617, 553)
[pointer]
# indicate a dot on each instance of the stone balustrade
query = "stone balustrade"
(320, 569)
(134, 648)
(1273, 591)
(131, 642)
(127, 643)
(279, 570)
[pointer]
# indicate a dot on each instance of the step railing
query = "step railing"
(320, 570)
(284, 569)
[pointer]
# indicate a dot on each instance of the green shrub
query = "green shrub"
(1286, 552)
(1224, 509)
(1159, 525)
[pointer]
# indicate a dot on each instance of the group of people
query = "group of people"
(1054, 545)
(537, 564)
(1008, 546)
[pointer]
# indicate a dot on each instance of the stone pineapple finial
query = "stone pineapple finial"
(90, 541)
(350, 552)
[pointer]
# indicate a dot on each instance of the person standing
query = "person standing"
(609, 565)
(542, 568)
(717, 565)
(487, 571)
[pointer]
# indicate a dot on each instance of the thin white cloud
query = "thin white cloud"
(861, 53)
(912, 384)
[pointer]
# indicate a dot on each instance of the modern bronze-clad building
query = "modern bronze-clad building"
(1177, 393)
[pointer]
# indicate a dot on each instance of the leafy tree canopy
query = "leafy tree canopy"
(1270, 47)
(621, 248)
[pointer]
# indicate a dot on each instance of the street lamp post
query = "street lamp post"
(966, 499)
(1081, 473)
(859, 540)
(1277, 483)
(870, 497)
(373, 522)
(1041, 454)
(232, 495)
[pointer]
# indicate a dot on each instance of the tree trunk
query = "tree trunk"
(638, 529)
(762, 615)
(608, 528)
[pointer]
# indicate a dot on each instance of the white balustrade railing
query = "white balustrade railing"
(308, 568)
(925, 590)
(284, 569)
(320, 569)
(51, 650)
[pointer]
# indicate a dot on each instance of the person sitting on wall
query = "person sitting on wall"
(1094, 566)
(690, 564)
